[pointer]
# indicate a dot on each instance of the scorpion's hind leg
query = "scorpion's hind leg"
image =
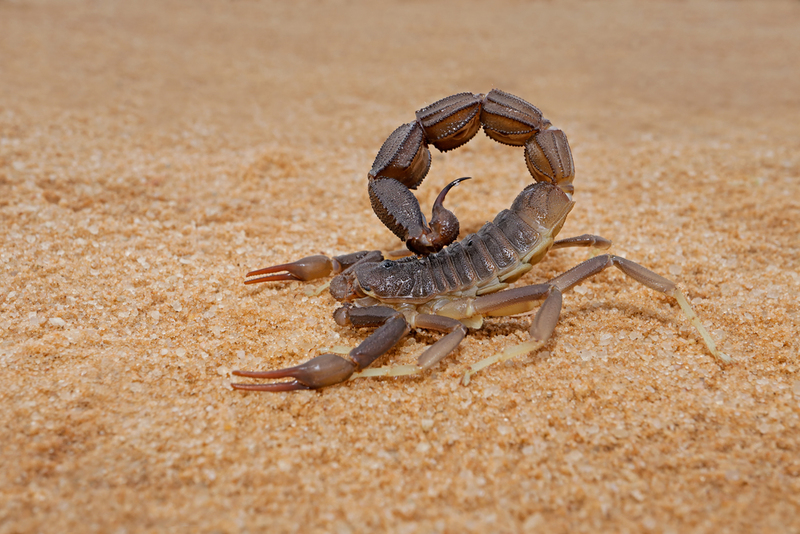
(312, 267)
(644, 276)
(519, 300)
(456, 332)
(330, 369)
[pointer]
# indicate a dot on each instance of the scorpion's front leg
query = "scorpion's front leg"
(329, 369)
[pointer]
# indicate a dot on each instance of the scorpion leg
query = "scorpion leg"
(585, 240)
(439, 350)
(517, 300)
(456, 332)
(646, 277)
(329, 369)
(312, 267)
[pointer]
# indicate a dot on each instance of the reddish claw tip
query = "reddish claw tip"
(277, 387)
(302, 270)
(279, 277)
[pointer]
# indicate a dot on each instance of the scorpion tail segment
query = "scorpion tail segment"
(549, 159)
(452, 121)
(404, 156)
(439, 203)
(397, 208)
(509, 119)
(308, 268)
(324, 370)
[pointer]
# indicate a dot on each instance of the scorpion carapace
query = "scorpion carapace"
(455, 287)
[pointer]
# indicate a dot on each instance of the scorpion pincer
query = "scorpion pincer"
(451, 286)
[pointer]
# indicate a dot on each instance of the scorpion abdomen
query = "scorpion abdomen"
(494, 253)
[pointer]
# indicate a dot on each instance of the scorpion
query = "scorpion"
(450, 286)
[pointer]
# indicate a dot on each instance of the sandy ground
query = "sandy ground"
(151, 155)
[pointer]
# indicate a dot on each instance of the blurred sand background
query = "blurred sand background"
(151, 153)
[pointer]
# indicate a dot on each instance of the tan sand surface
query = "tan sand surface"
(151, 153)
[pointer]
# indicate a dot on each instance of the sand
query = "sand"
(152, 153)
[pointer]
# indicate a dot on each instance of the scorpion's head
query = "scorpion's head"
(345, 287)
(543, 206)
(386, 281)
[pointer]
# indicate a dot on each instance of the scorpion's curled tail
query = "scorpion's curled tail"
(404, 159)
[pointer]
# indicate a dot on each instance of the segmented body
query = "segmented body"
(483, 262)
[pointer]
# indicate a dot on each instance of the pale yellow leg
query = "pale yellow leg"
(337, 349)
(695, 320)
(316, 291)
(388, 370)
(510, 352)
(456, 332)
